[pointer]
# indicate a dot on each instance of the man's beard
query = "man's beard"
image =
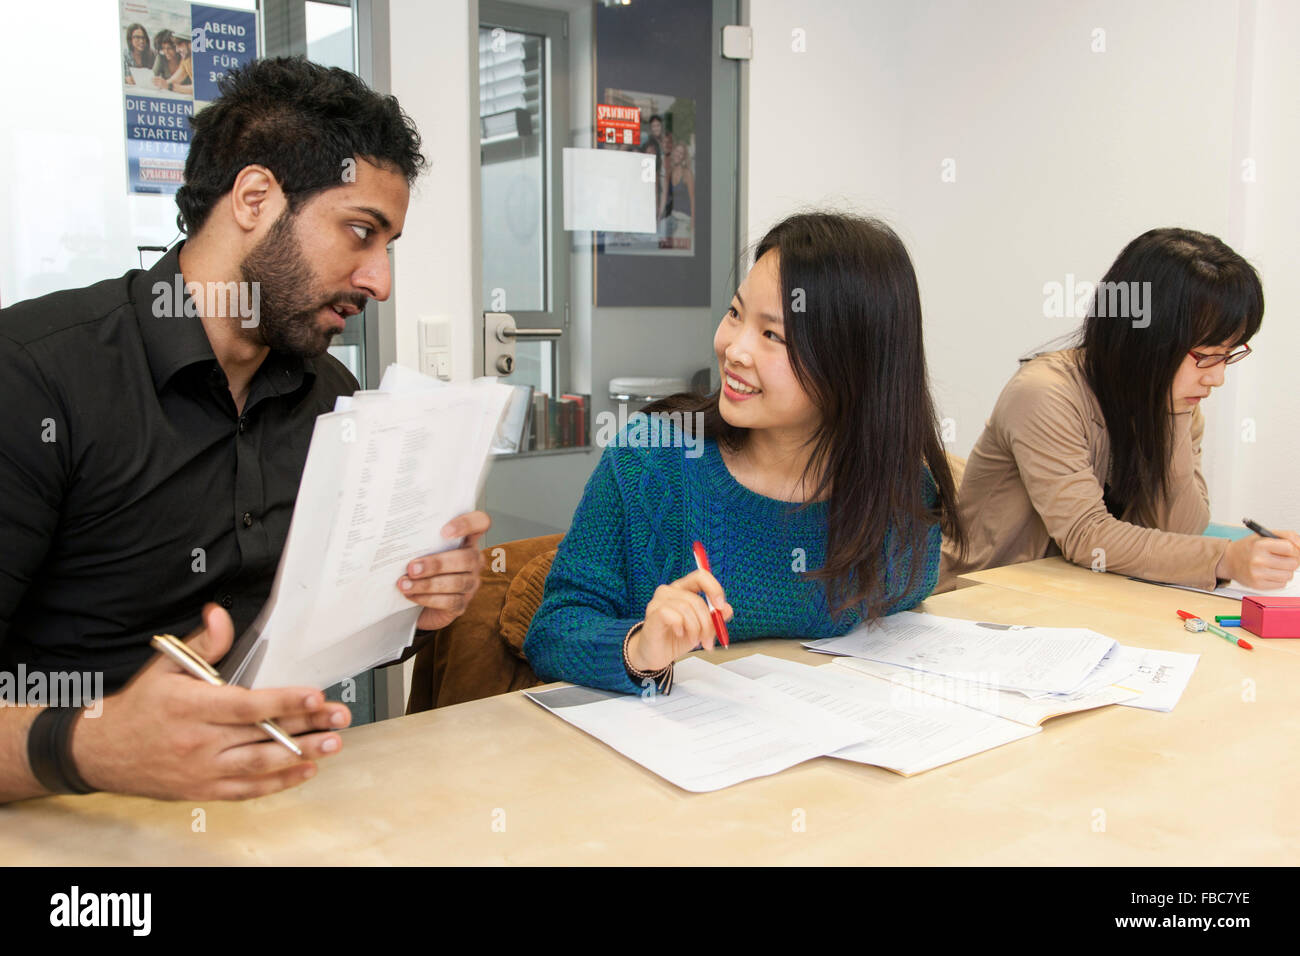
(284, 279)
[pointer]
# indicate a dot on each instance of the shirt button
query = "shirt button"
(243, 423)
(227, 601)
(248, 520)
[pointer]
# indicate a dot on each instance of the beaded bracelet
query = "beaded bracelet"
(663, 677)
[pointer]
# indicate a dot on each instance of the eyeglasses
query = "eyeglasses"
(1209, 361)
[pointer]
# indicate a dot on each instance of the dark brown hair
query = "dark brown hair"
(1200, 292)
(856, 348)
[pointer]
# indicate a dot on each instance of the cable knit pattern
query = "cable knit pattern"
(632, 531)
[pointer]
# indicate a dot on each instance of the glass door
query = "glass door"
(606, 304)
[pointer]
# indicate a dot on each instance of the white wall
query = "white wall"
(1264, 472)
(66, 219)
(436, 264)
(1062, 155)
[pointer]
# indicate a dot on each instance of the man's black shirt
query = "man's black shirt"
(131, 490)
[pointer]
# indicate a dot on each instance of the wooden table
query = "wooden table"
(500, 781)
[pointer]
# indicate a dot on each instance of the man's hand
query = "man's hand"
(444, 584)
(170, 736)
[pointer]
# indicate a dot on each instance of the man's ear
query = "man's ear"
(256, 199)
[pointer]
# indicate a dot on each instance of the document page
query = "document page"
(1013, 657)
(1009, 705)
(906, 731)
(713, 730)
(1161, 676)
(381, 480)
(1233, 590)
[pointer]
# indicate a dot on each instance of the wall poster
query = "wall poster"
(173, 54)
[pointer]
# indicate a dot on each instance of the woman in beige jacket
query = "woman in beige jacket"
(1095, 452)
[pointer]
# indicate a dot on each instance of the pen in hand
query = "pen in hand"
(1259, 529)
(719, 625)
(187, 659)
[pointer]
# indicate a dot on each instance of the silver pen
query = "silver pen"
(186, 657)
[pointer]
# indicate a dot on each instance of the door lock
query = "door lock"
(499, 336)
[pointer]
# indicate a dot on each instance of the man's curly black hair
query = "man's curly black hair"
(301, 121)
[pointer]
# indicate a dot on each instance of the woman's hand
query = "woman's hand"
(677, 621)
(1264, 563)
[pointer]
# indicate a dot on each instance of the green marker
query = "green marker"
(1215, 629)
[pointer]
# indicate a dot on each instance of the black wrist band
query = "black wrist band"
(49, 751)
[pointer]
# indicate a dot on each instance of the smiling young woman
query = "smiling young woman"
(820, 492)
(1094, 452)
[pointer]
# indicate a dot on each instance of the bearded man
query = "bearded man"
(154, 433)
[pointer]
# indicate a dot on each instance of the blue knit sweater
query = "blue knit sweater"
(632, 531)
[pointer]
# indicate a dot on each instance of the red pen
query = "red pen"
(702, 562)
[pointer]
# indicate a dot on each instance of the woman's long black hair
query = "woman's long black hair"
(852, 313)
(1200, 293)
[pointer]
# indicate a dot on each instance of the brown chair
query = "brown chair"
(481, 653)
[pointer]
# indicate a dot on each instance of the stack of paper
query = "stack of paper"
(1020, 672)
(903, 730)
(759, 715)
(385, 472)
(917, 692)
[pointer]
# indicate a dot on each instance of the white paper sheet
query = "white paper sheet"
(714, 730)
(608, 190)
(1012, 657)
(1233, 590)
(1161, 676)
(1007, 704)
(380, 481)
(907, 732)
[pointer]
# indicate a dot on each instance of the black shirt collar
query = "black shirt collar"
(174, 341)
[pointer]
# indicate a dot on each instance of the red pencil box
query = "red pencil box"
(1267, 616)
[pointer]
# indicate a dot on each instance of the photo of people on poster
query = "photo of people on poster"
(668, 133)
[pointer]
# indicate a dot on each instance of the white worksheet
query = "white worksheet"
(714, 729)
(1054, 660)
(1009, 705)
(906, 731)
